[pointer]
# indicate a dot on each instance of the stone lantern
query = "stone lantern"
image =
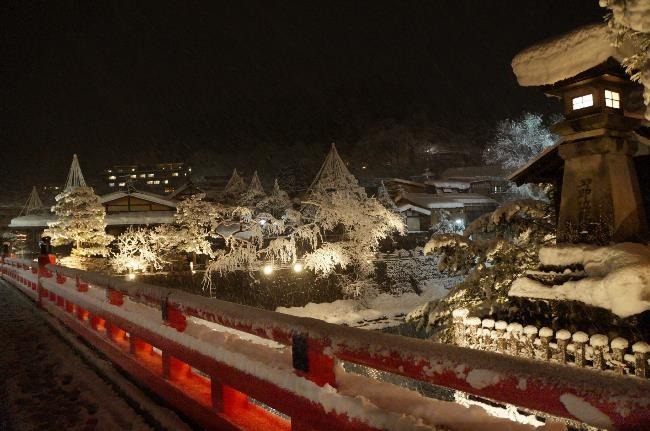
(601, 200)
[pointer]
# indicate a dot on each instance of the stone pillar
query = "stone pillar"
(601, 199)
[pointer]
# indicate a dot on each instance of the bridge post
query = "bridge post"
(45, 258)
(311, 361)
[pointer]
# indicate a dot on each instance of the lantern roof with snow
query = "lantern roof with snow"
(583, 67)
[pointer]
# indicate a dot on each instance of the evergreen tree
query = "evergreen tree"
(80, 221)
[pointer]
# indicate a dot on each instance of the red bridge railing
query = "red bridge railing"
(179, 346)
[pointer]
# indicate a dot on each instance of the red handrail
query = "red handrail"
(545, 387)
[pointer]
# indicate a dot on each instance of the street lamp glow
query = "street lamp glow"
(297, 267)
(267, 270)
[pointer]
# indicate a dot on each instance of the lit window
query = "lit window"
(143, 175)
(111, 184)
(112, 177)
(583, 102)
(612, 99)
(174, 174)
(122, 184)
(166, 181)
(150, 175)
(150, 182)
(110, 170)
(133, 176)
(157, 182)
(132, 169)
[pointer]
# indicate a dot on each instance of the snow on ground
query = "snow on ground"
(382, 311)
(44, 384)
(618, 277)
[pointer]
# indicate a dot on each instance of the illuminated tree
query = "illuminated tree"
(518, 141)
(79, 221)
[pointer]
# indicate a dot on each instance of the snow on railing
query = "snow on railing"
(184, 348)
(596, 351)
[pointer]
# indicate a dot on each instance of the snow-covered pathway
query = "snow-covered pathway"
(45, 385)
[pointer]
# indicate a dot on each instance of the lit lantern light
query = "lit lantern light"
(267, 270)
(297, 267)
(192, 268)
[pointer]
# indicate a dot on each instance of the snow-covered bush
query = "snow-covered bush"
(496, 249)
(410, 274)
(80, 222)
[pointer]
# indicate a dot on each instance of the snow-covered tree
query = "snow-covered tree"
(235, 187)
(338, 227)
(193, 224)
(254, 193)
(629, 22)
(518, 141)
(79, 221)
(138, 250)
(335, 176)
(276, 203)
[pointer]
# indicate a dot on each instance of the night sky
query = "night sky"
(257, 83)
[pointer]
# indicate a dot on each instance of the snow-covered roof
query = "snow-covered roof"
(449, 184)
(566, 56)
(32, 220)
(548, 159)
(151, 197)
(140, 218)
(474, 173)
(446, 200)
(116, 219)
(417, 209)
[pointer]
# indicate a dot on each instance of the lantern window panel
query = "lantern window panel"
(581, 102)
(612, 99)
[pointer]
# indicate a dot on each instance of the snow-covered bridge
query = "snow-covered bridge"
(227, 366)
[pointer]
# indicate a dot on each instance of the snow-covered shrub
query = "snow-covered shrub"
(410, 274)
(80, 222)
(506, 245)
(456, 253)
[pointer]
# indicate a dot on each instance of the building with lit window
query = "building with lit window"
(161, 178)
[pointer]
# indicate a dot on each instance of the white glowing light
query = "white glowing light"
(262, 222)
(459, 221)
(297, 267)
(267, 270)
(130, 276)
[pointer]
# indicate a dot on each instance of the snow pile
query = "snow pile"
(618, 277)
(566, 56)
(382, 311)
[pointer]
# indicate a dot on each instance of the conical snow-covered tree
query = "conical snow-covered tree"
(235, 186)
(254, 193)
(334, 176)
(33, 204)
(80, 217)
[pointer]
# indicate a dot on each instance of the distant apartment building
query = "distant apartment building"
(161, 178)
